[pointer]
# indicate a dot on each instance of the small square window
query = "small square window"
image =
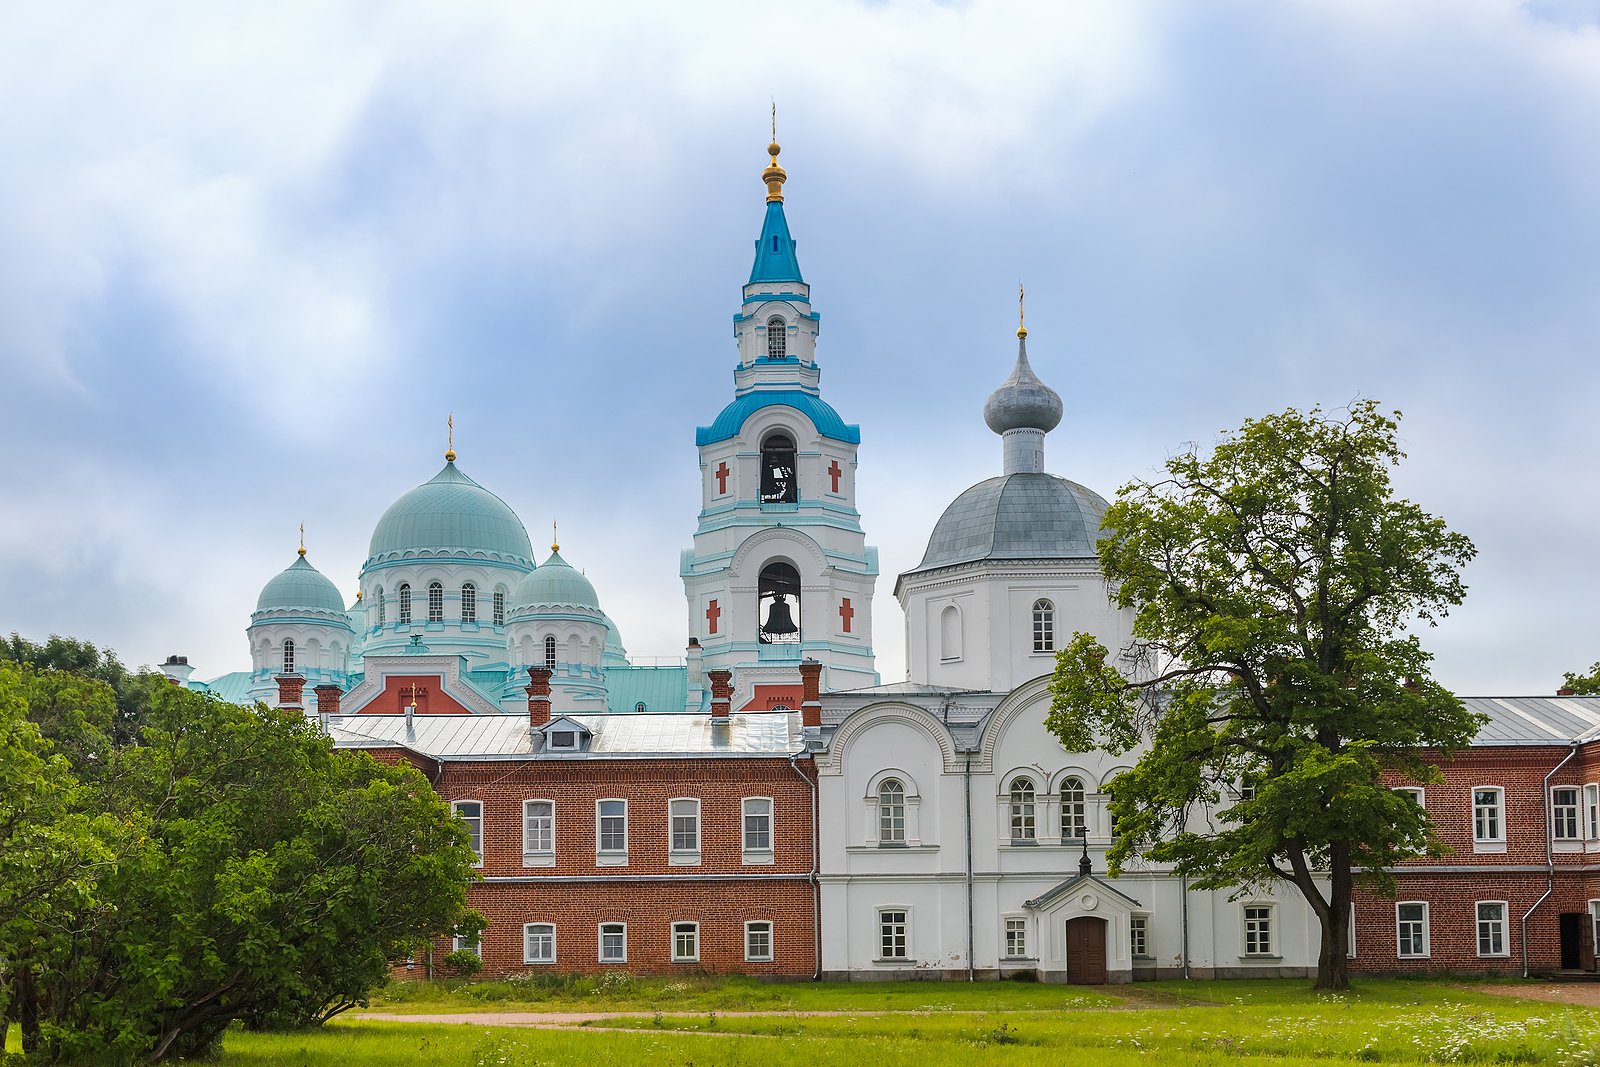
(758, 941)
(563, 739)
(539, 943)
(685, 942)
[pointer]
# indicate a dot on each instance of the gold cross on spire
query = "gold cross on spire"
(450, 449)
(554, 544)
(1022, 329)
(302, 538)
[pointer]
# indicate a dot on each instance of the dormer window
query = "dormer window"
(563, 739)
(777, 339)
(777, 243)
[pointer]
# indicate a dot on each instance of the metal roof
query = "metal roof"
(733, 417)
(626, 736)
(1017, 516)
(657, 688)
(1535, 720)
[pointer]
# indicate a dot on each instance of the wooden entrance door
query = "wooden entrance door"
(1086, 951)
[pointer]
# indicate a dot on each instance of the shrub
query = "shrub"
(464, 961)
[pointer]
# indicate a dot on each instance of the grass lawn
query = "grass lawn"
(1278, 1021)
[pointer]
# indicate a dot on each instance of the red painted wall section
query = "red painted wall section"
(429, 692)
(768, 697)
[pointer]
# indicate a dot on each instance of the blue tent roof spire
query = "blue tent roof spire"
(775, 256)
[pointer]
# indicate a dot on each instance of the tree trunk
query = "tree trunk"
(27, 995)
(1333, 965)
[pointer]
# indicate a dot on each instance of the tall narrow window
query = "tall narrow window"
(538, 827)
(1492, 929)
(1074, 810)
(405, 604)
(469, 602)
(1258, 931)
(950, 633)
(1486, 814)
(613, 826)
(1017, 938)
(288, 657)
(758, 825)
(435, 602)
(539, 943)
(892, 935)
(778, 603)
(1591, 800)
(382, 613)
(470, 812)
(686, 826)
(1138, 935)
(550, 653)
(1565, 809)
(777, 339)
(499, 607)
(777, 471)
(1044, 626)
(1022, 822)
(891, 812)
(1411, 929)
(758, 941)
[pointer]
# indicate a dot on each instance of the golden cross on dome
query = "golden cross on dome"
(450, 449)
(1022, 329)
(302, 538)
(554, 545)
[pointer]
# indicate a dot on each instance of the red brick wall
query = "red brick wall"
(397, 695)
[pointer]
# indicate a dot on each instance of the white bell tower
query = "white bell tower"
(780, 570)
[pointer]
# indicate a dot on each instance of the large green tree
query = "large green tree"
(1271, 678)
(264, 878)
(131, 690)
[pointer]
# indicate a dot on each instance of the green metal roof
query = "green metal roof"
(452, 512)
(555, 583)
(300, 585)
(659, 689)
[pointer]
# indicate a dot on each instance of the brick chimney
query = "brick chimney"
(327, 699)
(538, 690)
(721, 691)
(1563, 692)
(290, 687)
(810, 693)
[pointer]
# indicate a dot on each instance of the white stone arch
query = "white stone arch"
(776, 417)
(1039, 779)
(876, 714)
(1058, 778)
(807, 557)
(1030, 696)
(906, 778)
(911, 798)
(1105, 778)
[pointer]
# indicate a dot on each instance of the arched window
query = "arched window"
(1044, 626)
(1074, 820)
(639, 707)
(405, 604)
(777, 339)
(777, 471)
(779, 604)
(378, 596)
(435, 602)
(288, 657)
(892, 812)
(469, 602)
(950, 633)
(499, 607)
(1022, 823)
(550, 653)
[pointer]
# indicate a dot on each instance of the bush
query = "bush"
(464, 962)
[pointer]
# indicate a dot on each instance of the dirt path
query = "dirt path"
(1583, 994)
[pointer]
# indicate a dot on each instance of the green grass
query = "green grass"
(709, 993)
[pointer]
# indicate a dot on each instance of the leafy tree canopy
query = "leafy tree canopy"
(1270, 675)
(1583, 685)
(132, 690)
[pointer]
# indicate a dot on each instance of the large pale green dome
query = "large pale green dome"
(300, 586)
(451, 515)
(555, 584)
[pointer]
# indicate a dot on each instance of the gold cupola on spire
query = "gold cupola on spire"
(774, 175)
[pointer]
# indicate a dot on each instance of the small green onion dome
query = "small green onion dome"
(555, 583)
(451, 513)
(300, 586)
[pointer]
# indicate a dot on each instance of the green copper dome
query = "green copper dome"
(555, 584)
(300, 586)
(449, 514)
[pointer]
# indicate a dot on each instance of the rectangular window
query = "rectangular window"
(538, 827)
(563, 739)
(1258, 931)
(539, 943)
(435, 602)
(1591, 801)
(469, 603)
(1138, 930)
(1492, 929)
(1564, 806)
(1017, 938)
(1414, 793)
(758, 941)
(1486, 815)
(757, 824)
(613, 826)
(613, 942)
(1411, 929)
(686, 826)
(471, 813)
(473, 945)
(499, 607)
(891, 812)
(685, 942)
(892, 935)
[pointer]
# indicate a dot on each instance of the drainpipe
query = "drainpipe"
(816, 888)
(1183, 883)
(1549, 856)
(966, 783)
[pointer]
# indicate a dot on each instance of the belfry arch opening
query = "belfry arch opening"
(779, 610)
(777, 339)
(778, 484)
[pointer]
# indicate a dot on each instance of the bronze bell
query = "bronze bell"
(778, 619)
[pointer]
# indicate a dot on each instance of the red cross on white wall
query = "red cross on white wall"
(722, 473)
(834, 471)
(846, 612)
(713, 613)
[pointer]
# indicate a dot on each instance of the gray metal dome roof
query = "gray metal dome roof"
(1023, 401)
(1017, 516)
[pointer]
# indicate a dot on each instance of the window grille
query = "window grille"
(758, 941)
(539, 943)
(1258, 931)
(1491, 929)
(1565, 811)
(1411, 929)
(435, 602)
(1074, 809)
(469, 602)
(1017, 938)
(757, 825)
(288, 657)
(892, 935)
(499, 607)
(777, 339)
(1022, 823)
(686, 826)
(892, 812)
(538, 827)
(1044, 626)
(405, 605)
(1486, 814)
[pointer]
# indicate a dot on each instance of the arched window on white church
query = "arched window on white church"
(1044, 626)
(778, 484)
(288, 657)
(550, 653)
(405, 604)
(499, 606)
(1023, 827)
(469, 602)
(436, 602)
(777, 339)
(1074, 821)
(778, 603)
(378, 596)
(950, 633)
(891, 812)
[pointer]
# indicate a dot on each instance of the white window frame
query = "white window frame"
(455, 809)
(288, 655)
(777, 340)
(469, 603)
(1043, 630)
(532, 857)
(527, 933)
(1495, 842)
(1009, 943)
(1081, 816)
(499, 616)
(887, 834)
(1416, 792)
(435, 604)
(1477, 929)
(1427, 942)
(1574, 818)
(683, 856)
(1271, 908)
(744, 826)
(600, 943)
(458, 944)
(1139, 921)
(904, 911)
(1591, 812)
(609, 853)
(403, 597)
(1022, 814)
(749, 928)
(692, 931)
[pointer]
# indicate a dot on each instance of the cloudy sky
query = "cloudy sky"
(250, 259)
